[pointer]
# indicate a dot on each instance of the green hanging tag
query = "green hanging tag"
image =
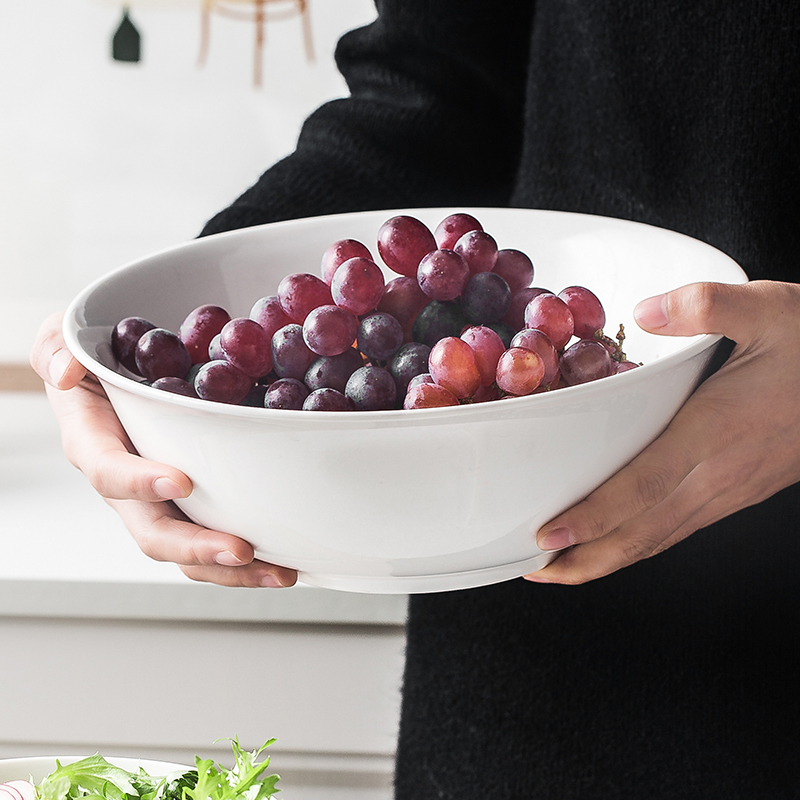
(127, 42)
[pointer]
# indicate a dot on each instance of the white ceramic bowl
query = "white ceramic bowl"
(36, 768)
(402, 501)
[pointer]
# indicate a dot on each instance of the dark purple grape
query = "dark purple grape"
(515, 267)
(286, 393)
(504, 331)
(437, 320)
(371, 388)
(407, 363)
(291, 356)
(486, 298)
(255, 397)
(222, 382)
(247, 346)
(125, 337)
(160, 353)
(175, 385)
(442, 274)
(327, 400)
(329, 330)
(333, 372)
(215, 351)
(584, 361)
(200, 327)
(379, 336)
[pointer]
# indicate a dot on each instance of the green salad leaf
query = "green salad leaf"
(97, 779)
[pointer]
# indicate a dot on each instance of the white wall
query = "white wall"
(102, 162)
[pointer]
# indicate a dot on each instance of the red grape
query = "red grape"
(519, 371)
(200, 327)
(539, 342)
(488, 347)
(429, 395)
(453, 365)
(403, 299)
(587, 311)
(403, 241)
(515, 316)
(269, 314)
(247, 346)
(338, 253)
(357, 285)
(479, 250)
(550, 314)
(624, 366)
(452, 228)
(300, 293)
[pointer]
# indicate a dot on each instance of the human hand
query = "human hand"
(139, 490)
(734, 443)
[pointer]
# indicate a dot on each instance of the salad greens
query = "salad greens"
(96, 778)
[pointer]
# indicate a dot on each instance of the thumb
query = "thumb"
(727, 309)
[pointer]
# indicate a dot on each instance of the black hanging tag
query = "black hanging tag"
(127, 42)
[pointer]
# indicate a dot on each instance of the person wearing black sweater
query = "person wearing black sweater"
(607, 674)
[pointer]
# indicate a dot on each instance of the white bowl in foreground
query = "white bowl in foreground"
(36, 768)
(403, 501)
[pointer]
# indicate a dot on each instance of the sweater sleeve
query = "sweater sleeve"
(433, 117)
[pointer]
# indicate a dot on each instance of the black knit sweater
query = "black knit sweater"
(676, 677)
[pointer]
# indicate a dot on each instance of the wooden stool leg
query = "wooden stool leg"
(205, 32)
(306, 20)
(259, 48)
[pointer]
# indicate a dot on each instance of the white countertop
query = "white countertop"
(65, 553)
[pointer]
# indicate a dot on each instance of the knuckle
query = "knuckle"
(652, 485)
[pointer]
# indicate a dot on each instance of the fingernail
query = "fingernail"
(650, 313)
(536, 579)
(227, 559)
(271, 581)
(59, 364)
(168, 489)
(557, 539)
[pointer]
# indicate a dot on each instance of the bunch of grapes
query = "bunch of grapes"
(461, 323)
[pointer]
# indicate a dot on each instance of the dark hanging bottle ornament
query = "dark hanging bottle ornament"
(127, 42)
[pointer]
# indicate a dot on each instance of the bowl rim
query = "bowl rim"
(71, 327)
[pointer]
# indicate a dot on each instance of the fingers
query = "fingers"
(164, 534)
(735, 311)
(51, 359)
